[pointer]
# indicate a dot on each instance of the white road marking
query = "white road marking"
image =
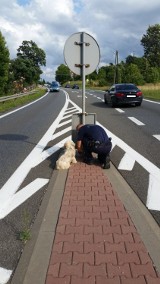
(157, 137)
(126, 163)
(80, 96)
(153, 194)
(153, 102)
(138, 122)
(22, 195)
(119, 110)
(10, 188)
(64, 123)
(70, 111)
(5, 275)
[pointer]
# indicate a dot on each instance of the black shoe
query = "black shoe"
(107, 163)
(88, 161)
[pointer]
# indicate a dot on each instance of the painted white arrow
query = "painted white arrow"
(22, 195)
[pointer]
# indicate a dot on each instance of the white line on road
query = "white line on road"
(135, 120)
(119, 110)
(157, 137)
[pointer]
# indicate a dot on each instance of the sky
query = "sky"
(114, 24)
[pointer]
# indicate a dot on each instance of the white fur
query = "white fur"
(68, 157)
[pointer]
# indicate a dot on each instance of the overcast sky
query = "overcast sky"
(114, 24)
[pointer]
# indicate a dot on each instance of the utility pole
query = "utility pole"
(116, 68)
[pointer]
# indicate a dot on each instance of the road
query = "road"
(30, 139)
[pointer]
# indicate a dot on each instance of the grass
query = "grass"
(25, 234)
(151, 91)
(11, 104)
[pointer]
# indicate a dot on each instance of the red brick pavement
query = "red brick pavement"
(96, 241)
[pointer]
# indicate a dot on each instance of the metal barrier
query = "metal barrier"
(16, 96)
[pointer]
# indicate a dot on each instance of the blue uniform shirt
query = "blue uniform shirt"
(92, 132)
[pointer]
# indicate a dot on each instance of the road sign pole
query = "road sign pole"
(83, 78)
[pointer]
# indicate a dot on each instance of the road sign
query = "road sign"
(75, 55)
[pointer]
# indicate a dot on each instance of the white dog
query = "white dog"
(68, 156)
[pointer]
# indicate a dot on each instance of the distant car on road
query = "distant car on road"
(54, 87)
(67, 86)
(124, 93)
(75, 86)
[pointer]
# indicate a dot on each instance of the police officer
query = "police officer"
(93, 138)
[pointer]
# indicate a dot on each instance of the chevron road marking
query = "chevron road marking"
(127, 163)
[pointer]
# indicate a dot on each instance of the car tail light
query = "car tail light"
(139, 94)
(119, 95)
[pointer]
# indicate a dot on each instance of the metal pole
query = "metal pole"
(83, 78)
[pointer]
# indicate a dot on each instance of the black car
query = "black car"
(67, 86)
(125, 93)
(75, 86)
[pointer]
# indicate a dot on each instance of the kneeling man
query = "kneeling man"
(92, 138)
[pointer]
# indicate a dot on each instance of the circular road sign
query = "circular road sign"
(81, 48)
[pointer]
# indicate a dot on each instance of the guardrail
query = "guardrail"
(16, 96)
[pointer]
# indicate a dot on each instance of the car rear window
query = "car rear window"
(126, 87)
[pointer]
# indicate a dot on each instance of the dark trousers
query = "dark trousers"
(102, 149)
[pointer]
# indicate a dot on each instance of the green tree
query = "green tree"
(151, 45)
(63, 74)
(153, 75)
(131, 74)
(33, 58)
(4, 64)
(24, 67)
(110, 74)
(30, 50)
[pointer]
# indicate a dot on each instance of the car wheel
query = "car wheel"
(113, 104)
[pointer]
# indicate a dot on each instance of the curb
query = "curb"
(29, 270)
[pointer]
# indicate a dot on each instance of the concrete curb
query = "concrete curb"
(29, 270)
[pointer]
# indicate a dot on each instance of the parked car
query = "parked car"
(75, 86)
(54, 87)
(124, 93)
(67, 86)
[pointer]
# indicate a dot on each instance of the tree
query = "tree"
(151, 45)
(33, 57)
(30, 50)
(4, 64)
(63, 74)
(132, 74)
(153, 75)
(24, 67)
